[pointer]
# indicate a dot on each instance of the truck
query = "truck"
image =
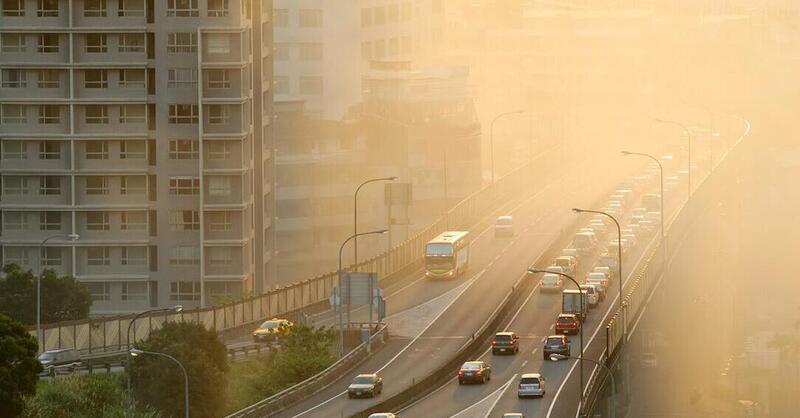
(574, 302)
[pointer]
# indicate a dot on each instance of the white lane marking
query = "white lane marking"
(508, 385)
(524, 363)
(496, 394)
(534, 351)
(553, 325)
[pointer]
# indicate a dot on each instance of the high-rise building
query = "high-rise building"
(144, 127)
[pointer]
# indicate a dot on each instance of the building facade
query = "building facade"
(144, 127)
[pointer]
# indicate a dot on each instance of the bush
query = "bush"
(63, 298)
(18, 366)
(88, 396)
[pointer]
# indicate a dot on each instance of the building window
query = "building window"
(219, 43)
(131, 113)
(281, 85)
(182, 42)
(217, 8)
(183, 255)
(184, 185)
(96, 114)
(16, 255)
(310, 18)
(98, 256)
(219, 150)
(366, 17)
(50, 256)
(134, 256)
(218, 114)
(95, 79)
(100, 291)
(281, 52)
(311, 85)
(394, 47)
(183, 149)
(49, 185)
(49, 114)
(366, 50)
(133, 221)
(182, 8)
(96, 42)
(379, 15)
(183, 113)
(15, 221)
(131, 42)
(97, 150)
(97, 221)
(219, 221)
(13, 79)
(132, 185)
(132, 150)
(184, 291)
(94, 8)
(96, 185)
(15, 150)
(50, 221)
(133, 290)
(280, 18)
(15, 185)
(48, 43)
(12, 42)
(310, 51)
(47, 8)
(12, 114)
(130, 8)
(50, 150)
(219, 186)
(219, 79)
(13, 7)
(184, 220)
(131, 78)
(220, 256)
(48, 79)
(182, 77)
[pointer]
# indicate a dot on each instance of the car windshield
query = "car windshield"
(47, 356)
(439, 249)
(529, 381)
(270, 324)
(363, 380)
(503, 221)
(471, 366)
(554, 341)
(502, 338)
(565, 320)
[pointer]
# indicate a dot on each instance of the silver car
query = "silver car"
(531, 384)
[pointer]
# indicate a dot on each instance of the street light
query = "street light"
(534, 270)
(339, 305)
(355, 212)
(661, 171)
(135, 352)
(71, 237)
(491, 135)
(557, 357)
(688, 152)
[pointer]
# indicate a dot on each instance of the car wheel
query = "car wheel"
(544, 356)
(349, 396)
(489, 377)
(460, 382)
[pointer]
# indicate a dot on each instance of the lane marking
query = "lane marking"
(523, 364)
(507, 385)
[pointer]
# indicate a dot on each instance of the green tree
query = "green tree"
(63, 298)
(18, 366)
(158, 382)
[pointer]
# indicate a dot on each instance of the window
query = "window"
(219, 79)
(184, 220)
(96, 185)
(310, 18)
(50, 256)
(131, 78)
(132, 185)
(310, 51)
(49, 185)
(94, 8)
(98, 256)
(219, 43)
(280, 18)
(219, 186)
(15, 186)
(182, 8)
(219, 150)
(366, 50)
(12, 114)
(131, 42)
(49, 114)
(100, 291)
(182, 77)
(185, 255)
(217, 8)
(281, 52)
(311, 85)
(281, 85)
(15, 150)
(394, 13)
(13, 7)
(47, 8)
(96, 114)
(405, 44)
(183, 113)
(133, 221)
(96, 42)
(184, 291)
(379, 50)
(379, 15)
(50, 221)
(48, 79)
(220, 256)
(97, 150)
(95, 79)
(15, 221)
(182, 42)
(97, 221)
(50, 150)
(13, 78)
(132, 150)
(130, 8)
(183, 149)
(394, 47)
(134, 256)
(405, 11)
(132, 113)
(133, 290)
(366, 17)
(184, 185)
(218, 114)
(16, 255)
(48, 42)
(219, 221)
(12, 42)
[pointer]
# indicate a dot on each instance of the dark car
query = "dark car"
(556, 344)
(365, 385)
(568, 324)
(474, 371)
(505, 342)
(66, 357)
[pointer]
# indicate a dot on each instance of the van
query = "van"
(551, 283)
(504, 226)
(592, 295)
(568, 263)
(584, 242)
(59, 358)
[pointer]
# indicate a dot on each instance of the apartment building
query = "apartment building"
(144, 127)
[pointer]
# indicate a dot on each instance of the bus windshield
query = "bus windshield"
(439, 249)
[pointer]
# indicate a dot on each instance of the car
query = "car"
(608, 259)
(65, 357)
(651, 202)
(272, 330)
(598, 277)
(474, 371)
(605, 270)
(505, 342)
(592, 296)
(654, 216)
(365, 385)
(647, 226)
(556, 344)
(513, 415)
(640, 211)
(570, 252)
(567, 323)
(531, 384)
(630, 239)
(552, 283)
(568, 263)
(554, 268)
(383, 415)
(584, 242)
(599, 289)
(598, 226)
(504, 226)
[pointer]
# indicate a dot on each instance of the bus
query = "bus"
(447, 255)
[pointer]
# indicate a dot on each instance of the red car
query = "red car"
(568, 324)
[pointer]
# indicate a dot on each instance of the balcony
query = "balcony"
(131, 14)
(112, 226)
(111, 156)
(117, 84)
(32, 16)
(109, 119)
(35, 120)
(34, 226)
(224, 83)
(223, 226)
(224, 190)
(35, 156)
(223, 47)
(30, 85)
(225, 118)
(224, 155)
(35, 191)
(118, 48)
(111, 262)
(111, 191)
(59, 257)
(225, 261)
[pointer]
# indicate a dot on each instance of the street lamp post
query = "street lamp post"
(491, 135)
(661, 171)
(556, 357)
(583, 301)
(135, 352)
(71, 237)
(355, 213)
(339, 305)
(688, 151)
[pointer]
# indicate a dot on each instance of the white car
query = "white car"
(568, 263)
(638, 211)
(531, 384)
(605, 270)
(630, 239)
(383, 415)
(592, 295)
(552, 283)
(504, 226)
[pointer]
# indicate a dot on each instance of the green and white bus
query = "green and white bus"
(447, 255)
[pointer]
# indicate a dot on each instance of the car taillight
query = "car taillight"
(494, 342)
(479, 372)
(460, 373)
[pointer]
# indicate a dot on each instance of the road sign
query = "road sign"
(357, 287)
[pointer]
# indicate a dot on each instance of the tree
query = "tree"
(19, 366)
(158, 382)
(63, 298)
